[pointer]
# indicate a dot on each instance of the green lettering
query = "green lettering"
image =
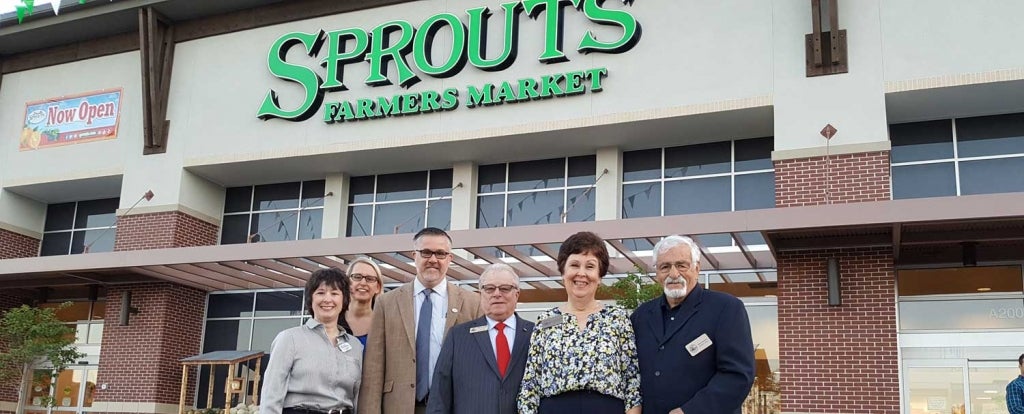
(505, 94)
(388, 107)
(596, 13)
(344, 112)
(479, 97)
(382, 51)
(364, 109)
(528, 88)
(302, 75)
(424, 44)
(596, 75)
(430, 101)
(449, 99)
(330, 109)
(553, 22)
(410, 104)
(574, 83)
(337, 57)
(477, 49)
(549, 85)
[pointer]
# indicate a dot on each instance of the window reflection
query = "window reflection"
(399, 203)
(988, 387)
(935, 390)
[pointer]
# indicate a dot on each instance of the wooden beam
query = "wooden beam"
(156, 47)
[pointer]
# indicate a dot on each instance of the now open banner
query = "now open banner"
(91, 116)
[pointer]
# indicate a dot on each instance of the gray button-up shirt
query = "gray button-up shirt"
(305, 370)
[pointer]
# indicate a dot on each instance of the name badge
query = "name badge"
(552, 321)
(344, 347)
(700, 344)
(476, 329)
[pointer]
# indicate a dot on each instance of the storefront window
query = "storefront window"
(273, 212)
(245, 321)
(399, 203)
(935, 390)
(80, 227)
(988, 386)
(969, 298)
(557, 190)
(958, 157)
(728, 176)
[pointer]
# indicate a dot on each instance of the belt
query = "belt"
(304, 410)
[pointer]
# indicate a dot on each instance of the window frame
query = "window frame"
(72, 230)
(250, 212)
(427, 201)
(956, 160)
(565, 188)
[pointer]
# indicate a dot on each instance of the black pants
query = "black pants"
(581, 402)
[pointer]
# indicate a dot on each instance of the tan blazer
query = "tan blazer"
(389, 367)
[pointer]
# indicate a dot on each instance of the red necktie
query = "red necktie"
(501, 343)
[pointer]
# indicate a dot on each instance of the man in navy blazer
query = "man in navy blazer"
(694, 347)
(482, 361)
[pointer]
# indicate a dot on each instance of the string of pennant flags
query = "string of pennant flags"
(27, 7)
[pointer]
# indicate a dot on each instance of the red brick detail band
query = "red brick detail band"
(838, 359)
(163, 230)
(16, 245)
(844, 178)
(139, 362)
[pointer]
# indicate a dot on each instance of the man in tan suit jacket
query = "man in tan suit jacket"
(389, 366)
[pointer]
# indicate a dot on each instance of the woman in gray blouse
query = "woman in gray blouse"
(315, 368)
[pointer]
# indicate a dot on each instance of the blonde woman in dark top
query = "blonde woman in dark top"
(366, 284)
(316, 368)
(582, 354)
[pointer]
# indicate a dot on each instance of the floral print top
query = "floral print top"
(600, 358)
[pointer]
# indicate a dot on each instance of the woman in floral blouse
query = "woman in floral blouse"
(582, 355)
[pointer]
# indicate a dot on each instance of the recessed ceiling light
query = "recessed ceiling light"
(984, 398)
(991, 392)
(984, 289)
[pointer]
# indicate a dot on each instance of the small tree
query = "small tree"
(34, 335)
(632, 290)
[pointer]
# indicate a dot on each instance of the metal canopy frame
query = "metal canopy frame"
(918, 231)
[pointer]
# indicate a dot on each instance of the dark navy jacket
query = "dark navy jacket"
(715, 380)
(466, 379)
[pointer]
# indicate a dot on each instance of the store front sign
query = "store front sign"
(393, 42)
(67, 120)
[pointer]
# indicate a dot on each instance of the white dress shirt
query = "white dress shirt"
(510, 333)
(439, 308)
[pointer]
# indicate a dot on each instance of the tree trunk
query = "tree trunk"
(23, 388)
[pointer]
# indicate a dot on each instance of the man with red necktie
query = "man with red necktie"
(482, 361)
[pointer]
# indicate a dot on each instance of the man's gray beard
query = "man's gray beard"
(676, 293)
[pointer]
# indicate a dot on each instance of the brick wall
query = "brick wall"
(853, 178)
(163, 230)
(139, 362)
(14, 245)
(8, 392)
(838, 359)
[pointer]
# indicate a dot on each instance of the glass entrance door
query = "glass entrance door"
(987, 385)
(957, 386)
(71, 392)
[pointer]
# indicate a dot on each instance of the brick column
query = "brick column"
(8, 392)
(837, 359)
(16, 245)
(139, 362)
(163, 230)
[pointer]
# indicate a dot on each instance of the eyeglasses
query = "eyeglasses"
(504, 289)
(357, 277)
(439, 254)
(680, 267)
